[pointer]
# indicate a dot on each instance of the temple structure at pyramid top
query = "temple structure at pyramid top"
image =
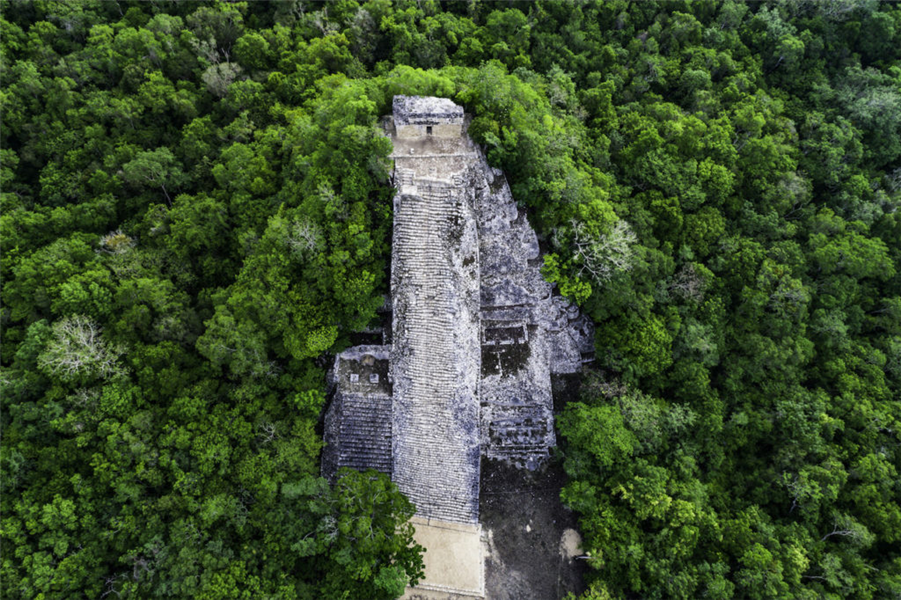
(418, 116)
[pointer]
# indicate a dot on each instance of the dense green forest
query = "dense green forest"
(196, 215)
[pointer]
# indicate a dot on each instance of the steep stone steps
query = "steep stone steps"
(365, 432)
(436, 458)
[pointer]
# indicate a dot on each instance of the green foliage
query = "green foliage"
(196, 214)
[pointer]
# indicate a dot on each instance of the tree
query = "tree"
(723, 176)
(78, 353)
(219, 77)
(603, 255)
(155, 168)
(372, 538)
(872, 101)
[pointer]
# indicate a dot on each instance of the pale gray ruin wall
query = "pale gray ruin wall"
(477, 332)
(512, 284)
(528, 333)
(418, 117)
(357, 430)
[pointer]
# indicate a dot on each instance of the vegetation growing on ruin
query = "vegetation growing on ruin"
(195, 212)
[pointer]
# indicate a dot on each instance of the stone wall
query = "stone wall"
(517, 421)
(418, 117)
(358, 428)
(421, 131)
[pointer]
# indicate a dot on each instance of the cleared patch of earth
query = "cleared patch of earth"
(532, 539)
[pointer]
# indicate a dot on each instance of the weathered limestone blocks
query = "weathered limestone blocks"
(435, 362)
(570, 335)
(417, 116)
(476, 335)
(517, 403)
(357, 428)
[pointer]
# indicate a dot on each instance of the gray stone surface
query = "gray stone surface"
(435, 360)
(418, 118)
(477, 332)
(517, 422)
(426, 110)
(358, 427)
(517, 404)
